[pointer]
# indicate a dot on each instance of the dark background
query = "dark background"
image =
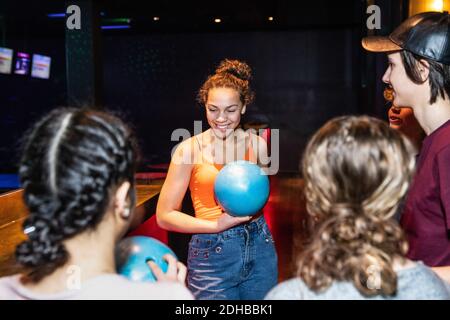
(308, 65)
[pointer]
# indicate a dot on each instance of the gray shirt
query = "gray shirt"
(418, 282)
(104, 287)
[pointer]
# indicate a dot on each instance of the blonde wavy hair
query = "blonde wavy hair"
(356, 171)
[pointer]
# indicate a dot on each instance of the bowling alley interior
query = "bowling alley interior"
(145, 62)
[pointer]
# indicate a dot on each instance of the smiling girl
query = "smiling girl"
(229, 257)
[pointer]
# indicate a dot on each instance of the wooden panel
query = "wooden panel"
(12, 207)
(10, 236)
(13, 213)
(146, 192)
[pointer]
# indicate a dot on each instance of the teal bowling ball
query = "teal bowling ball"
(241, 188)
(133, 253)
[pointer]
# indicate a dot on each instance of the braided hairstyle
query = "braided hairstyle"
(233, 74)
(356, 172)
(73, 160)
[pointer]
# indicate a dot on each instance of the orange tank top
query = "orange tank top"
(201, 185)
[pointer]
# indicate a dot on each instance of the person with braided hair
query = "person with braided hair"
(77, 172)
(229, 257)
(356, 171)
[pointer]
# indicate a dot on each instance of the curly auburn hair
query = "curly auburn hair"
(73, 160)
(233, 74)
(356, 171)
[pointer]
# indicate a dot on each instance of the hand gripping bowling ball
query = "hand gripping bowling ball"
(241, 188)
(133, 253)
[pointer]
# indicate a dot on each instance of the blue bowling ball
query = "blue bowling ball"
(132, 254)
(241, 188)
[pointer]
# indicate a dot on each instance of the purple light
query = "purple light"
(56, 15)
(23, 55)
(115, 27)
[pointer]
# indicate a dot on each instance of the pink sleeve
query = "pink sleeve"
(7, 288)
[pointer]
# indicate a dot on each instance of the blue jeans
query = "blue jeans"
(237, 264)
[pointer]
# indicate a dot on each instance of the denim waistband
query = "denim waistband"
(253, 226)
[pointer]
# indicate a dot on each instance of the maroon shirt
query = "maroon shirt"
(426, 216)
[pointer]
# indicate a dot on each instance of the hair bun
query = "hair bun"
(237, 68)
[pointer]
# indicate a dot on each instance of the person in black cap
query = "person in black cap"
(419, 73)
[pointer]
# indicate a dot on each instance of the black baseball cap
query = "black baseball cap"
(426, 34)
